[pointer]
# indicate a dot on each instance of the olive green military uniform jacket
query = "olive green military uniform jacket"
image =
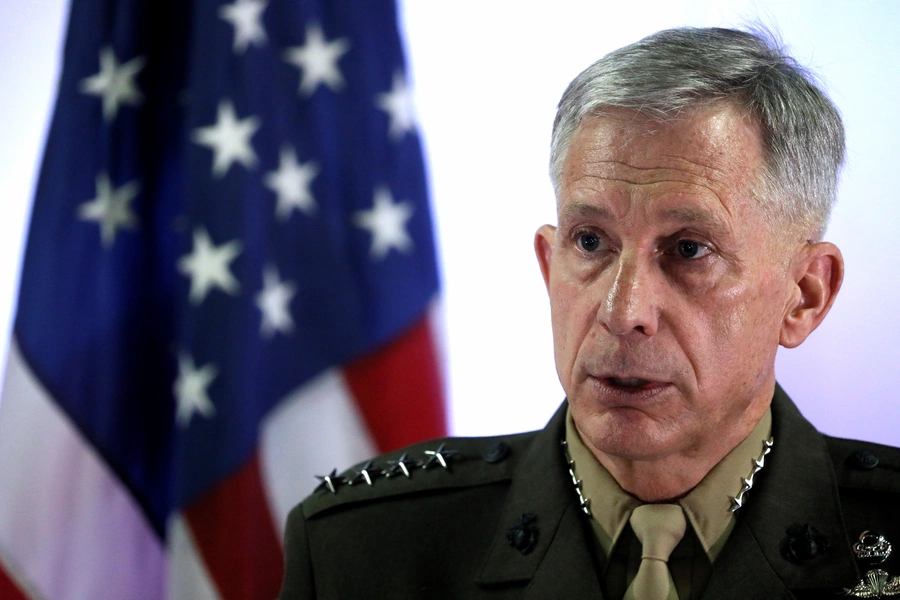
(459, 531)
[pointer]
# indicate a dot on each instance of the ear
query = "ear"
(543, 248)
(818, 273)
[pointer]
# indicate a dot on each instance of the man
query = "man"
(694, 172)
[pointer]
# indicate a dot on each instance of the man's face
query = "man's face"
(667, 287)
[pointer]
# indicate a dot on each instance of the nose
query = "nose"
(629, 299)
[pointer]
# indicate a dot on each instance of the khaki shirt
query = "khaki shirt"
(707, 508)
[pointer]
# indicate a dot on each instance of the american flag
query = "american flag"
(227, 289)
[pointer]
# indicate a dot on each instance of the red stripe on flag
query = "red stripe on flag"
(235, 535)
(398, 389)
(8, 588)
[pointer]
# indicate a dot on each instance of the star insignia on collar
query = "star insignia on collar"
(364, 474)
(400, 466)
(440, 456)
(747, 482)
(331, 481)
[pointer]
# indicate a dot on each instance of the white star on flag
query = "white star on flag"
(114, 83)
(317, 61)
(273, 301)
(190, 390)
(246, 17)
(397, 103)
(208, 266)
(229, 139)
(291, 184)
(111, 209)
(387, 223)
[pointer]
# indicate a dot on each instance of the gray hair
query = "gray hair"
(676, 70)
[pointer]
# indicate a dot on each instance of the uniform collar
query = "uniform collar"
(561, 563)
(707, 507)
(798, 485)
(610, 505)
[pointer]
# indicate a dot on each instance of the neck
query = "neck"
(671, 477)
(664, 480)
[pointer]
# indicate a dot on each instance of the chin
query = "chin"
(628, 434)
(635, 450)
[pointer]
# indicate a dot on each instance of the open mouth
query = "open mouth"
(631, 383)
(632, 387)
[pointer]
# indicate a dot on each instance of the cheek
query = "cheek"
(731, 314)
(698, 282)
(562, 297)
(744, 326)
(572, 316)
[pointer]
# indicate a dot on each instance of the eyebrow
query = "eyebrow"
(681, 215)
(580, 209)
(686, 215)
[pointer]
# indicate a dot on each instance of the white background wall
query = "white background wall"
(487, 76)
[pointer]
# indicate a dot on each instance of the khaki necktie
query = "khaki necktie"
(659, 527)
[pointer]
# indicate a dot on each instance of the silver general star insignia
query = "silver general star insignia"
(747, 482)
(331, 481)
(401, 465)
(439, 456)
(366, 473)
(583, 502)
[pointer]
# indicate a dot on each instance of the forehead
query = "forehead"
(711, 154)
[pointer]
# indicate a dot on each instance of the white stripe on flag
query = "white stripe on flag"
(188, 578)
(315, 429)
(66, 522)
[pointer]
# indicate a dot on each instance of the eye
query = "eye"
(691, 249)
(589, 242)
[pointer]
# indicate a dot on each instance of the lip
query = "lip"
(627, 389)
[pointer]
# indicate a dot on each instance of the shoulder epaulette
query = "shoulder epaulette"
(865, 465)
(442, 464)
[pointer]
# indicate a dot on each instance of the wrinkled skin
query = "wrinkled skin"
(671, 291)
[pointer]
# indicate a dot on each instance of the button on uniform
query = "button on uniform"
(494, 453)
(864, 459)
